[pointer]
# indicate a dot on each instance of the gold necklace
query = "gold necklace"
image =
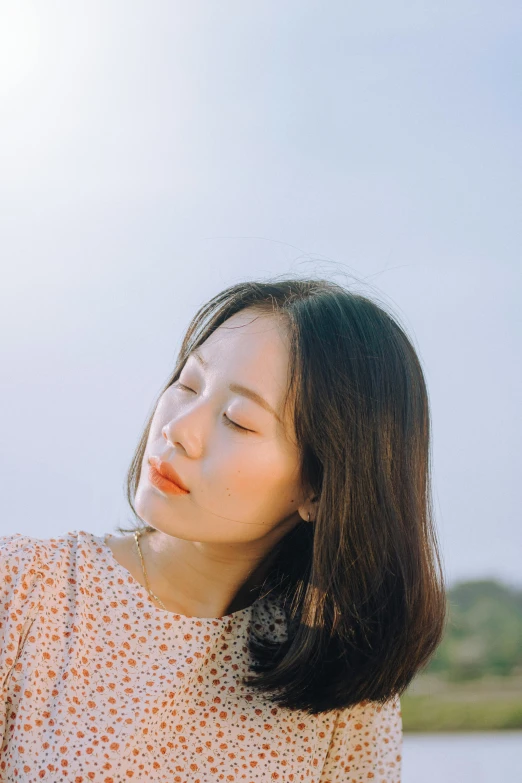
(137, 534)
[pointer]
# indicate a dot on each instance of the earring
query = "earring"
(309, 516)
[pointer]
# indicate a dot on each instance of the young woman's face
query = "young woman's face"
(244, 483)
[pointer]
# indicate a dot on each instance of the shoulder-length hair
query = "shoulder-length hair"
(362, 587)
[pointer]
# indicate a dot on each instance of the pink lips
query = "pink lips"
(166, 470)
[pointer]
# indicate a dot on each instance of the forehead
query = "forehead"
(248, 336)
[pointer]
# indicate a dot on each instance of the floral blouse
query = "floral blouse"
(100, 684)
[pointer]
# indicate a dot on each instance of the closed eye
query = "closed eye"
(180, 385)
(228, 421)
(231, 423)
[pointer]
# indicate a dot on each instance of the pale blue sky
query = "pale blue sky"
(152, 153)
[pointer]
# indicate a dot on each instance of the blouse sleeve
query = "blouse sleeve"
(366, 745)
(21, 574)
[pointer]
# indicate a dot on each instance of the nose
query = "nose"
(170, 440)
(182, 434)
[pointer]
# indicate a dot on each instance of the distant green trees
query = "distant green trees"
(483, 634)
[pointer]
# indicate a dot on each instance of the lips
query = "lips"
(166, 470)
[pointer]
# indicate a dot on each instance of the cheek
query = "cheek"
(155, 434)
(260, 472)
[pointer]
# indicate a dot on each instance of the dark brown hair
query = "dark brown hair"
(362, 587)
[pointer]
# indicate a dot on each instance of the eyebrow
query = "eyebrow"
(237, 388)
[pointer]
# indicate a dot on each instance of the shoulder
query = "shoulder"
(382, 723)
(25, 560)
(374, 712)
(20, 559)
(31, 568)
(22, 574)
(368, 738)
(29, 547)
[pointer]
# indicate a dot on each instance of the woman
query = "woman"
(282, 585)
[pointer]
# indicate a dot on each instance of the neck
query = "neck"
(203, 580)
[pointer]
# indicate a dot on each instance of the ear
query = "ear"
(309, 507)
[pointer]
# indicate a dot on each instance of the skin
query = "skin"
(211, 548)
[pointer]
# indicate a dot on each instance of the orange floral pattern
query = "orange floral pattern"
(100, 684)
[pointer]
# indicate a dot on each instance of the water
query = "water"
(480, 757)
